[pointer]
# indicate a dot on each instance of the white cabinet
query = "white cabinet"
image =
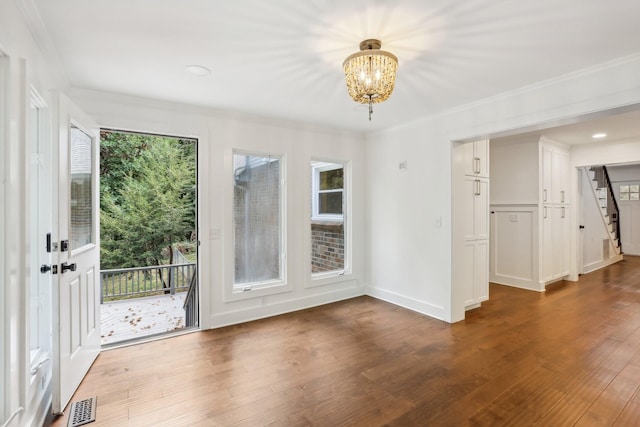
(476, 158)
(555, 213)
(555, 175)
(555, 246)
(476, 272)
(475, 207)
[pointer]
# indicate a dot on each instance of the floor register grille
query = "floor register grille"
(83, 412)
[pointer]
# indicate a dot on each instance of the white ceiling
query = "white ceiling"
(617, 126)
(282, 58)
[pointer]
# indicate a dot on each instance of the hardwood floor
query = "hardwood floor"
(570, 356)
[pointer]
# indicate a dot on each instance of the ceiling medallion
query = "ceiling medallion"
(370, 74)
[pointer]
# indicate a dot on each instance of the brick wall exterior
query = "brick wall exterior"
(327, 246)
(256, 213)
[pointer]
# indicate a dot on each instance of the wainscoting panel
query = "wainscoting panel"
(514, 246)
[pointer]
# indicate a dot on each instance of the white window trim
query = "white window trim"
(335, 276)
(236, 292)
(315, 191)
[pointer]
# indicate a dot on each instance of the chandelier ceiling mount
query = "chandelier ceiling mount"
(370, 73)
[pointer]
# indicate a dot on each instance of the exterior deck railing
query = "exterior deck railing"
(191, 309)
(138, 282)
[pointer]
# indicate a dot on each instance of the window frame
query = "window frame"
(344, 274)
(317, 168)
(240, 291)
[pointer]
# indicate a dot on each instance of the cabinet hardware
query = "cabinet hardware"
(562, 212)
(477, 189)
(44, 268)
(64, 245)
(562, 196)
(49, 248)
(544, 215)
(544, 195)
(476, 165)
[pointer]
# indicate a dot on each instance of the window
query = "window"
(329, 237)
(81, 189)
(630, 192)
(328, 191)
(257, 221)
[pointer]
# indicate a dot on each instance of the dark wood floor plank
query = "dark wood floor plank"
(569, 356)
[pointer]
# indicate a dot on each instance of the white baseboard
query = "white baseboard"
(275, 309)
(529, 285)
(407, 302)
(601, 264)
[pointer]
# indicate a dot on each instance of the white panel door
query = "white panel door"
(76, 336)
(630, 227)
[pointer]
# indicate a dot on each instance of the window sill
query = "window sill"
(250, 291)
(330, 278)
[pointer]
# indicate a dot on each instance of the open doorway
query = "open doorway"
(148, 235)
(583, 236)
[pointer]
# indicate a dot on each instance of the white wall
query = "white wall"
(412, 262)
(514, 170)
(218, 134)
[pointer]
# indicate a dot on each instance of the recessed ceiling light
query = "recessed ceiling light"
(198, 70)
(599, 135)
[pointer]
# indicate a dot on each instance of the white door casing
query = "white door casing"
(38, 314)
(76, 336)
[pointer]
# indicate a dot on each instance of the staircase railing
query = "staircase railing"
(191, 309)
(613, 212)
(612, 206)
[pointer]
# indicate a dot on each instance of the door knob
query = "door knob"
(67, 267)
(44, 268)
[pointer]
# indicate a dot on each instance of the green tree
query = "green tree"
(147, 199)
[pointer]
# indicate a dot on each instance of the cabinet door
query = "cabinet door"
(476, 208)
(467, 264)
(481, 270)
(476, 158)
(559, 177)
(481, 149)
(547, 172)
(475, 265)
(560, 241)
(547, 244)
(481, 209)
(555, 176)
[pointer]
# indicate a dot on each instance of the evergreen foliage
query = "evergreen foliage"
(147, 198)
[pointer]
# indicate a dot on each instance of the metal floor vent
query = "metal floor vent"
(83, 412)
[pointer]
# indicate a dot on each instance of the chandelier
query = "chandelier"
(370, 73)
